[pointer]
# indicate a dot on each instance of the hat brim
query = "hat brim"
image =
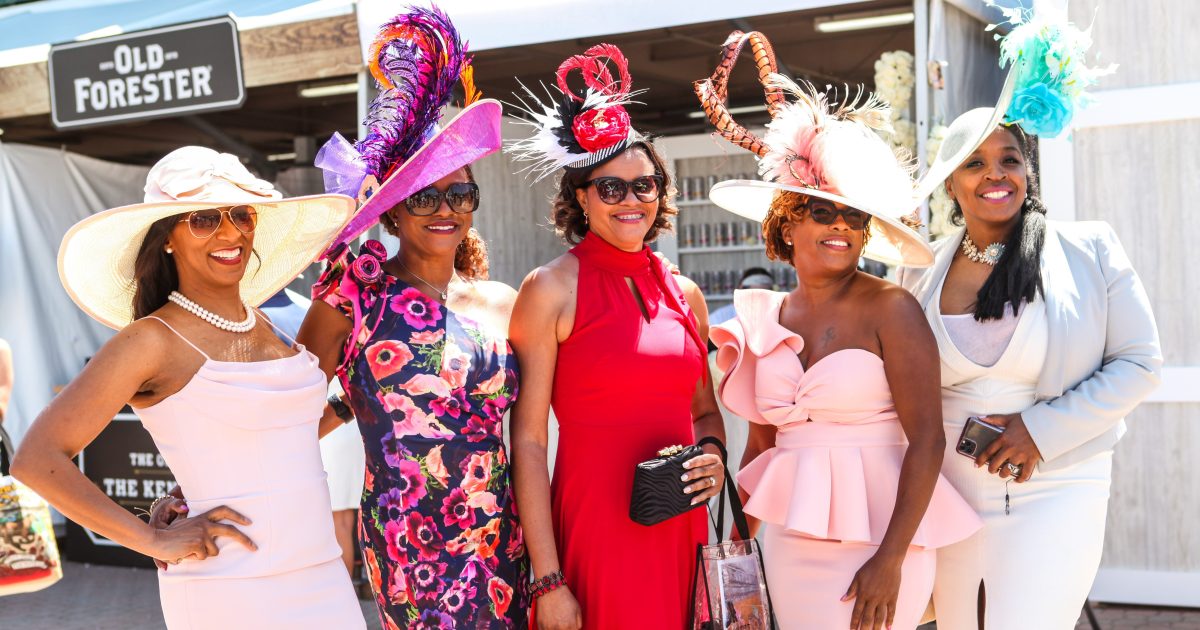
(891, 241)
(471, 135)
(97, 255)
(964, 136)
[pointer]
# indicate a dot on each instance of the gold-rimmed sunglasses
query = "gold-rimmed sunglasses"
(204, 223)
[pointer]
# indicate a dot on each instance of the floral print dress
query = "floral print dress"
(439, 530)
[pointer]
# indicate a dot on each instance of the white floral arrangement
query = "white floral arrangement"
(934, 143)
(894, 83)
(904, 137)
(894, 80)
(940, 203)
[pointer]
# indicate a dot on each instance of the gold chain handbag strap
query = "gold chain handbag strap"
(714, 91)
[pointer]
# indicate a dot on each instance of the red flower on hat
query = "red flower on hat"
(601, 128)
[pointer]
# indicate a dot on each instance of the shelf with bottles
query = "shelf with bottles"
(717, 249)
(693, 190)
(719, 236)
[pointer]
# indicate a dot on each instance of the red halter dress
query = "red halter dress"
(623, 388)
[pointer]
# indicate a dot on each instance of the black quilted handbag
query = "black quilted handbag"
(658, 486)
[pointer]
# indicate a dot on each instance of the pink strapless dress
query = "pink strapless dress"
(826, 491)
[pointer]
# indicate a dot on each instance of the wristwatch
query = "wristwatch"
(340, 408)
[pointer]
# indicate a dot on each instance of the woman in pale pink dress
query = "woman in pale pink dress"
(839, 378)
(234, 411)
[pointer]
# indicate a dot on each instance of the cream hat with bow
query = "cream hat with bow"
(97, 255)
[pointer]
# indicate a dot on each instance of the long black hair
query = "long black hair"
(1017, 276)
(154, 269)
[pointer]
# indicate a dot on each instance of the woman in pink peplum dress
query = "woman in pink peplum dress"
(838, 378)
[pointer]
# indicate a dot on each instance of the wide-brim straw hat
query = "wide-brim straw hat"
(97, 255)
(818, 145)
(892, 242)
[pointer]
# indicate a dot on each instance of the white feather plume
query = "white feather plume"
(543, 150)
(816, 142)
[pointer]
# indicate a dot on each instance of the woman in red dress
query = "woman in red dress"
(614, 343)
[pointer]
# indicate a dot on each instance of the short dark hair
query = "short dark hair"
(753, 271)
(569, 221)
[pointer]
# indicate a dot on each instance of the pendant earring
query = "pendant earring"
(585, 217)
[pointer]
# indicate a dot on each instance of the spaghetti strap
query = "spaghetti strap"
(177, 334)
(295, 345)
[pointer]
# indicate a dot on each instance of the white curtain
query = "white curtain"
(43, 192)
(973, 74)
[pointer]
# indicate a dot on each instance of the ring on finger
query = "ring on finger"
(1013, 469)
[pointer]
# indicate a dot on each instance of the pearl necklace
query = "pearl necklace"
(243, 326)
(989, 256)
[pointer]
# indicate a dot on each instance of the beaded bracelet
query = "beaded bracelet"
(546, 584)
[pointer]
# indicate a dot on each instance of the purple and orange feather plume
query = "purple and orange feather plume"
(416, 60)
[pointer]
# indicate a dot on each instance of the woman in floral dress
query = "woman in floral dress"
(429, 387)
(418, 341)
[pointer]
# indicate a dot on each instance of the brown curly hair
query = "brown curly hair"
(471, 256)
(787, 207)
(569, 221)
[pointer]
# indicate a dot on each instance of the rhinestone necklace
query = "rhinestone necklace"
(442, 293)
(989, 256)
(243, 326)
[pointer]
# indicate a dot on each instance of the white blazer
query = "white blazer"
(1103, 357)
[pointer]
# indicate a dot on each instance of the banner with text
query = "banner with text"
(168, 71)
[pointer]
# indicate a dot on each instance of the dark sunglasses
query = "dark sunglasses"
(462, 197)
(204, 223)
(612, 190)
(826, 213)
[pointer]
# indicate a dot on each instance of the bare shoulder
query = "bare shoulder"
(692, 293)
(889, 299)
(140, 348)
(687, 285)
(555, 278)
(496, 294)
(143, 335)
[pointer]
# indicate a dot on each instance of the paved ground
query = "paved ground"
(94, 597)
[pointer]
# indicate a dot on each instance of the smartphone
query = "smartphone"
(976, 436)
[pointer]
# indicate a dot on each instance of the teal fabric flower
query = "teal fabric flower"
(1040, 110)
(1049, 56)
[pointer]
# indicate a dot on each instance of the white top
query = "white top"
(982, 342)
(1009, 384)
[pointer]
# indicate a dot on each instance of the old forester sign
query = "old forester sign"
(168, 71)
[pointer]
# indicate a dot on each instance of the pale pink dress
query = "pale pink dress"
(826, 491)
(245, 435)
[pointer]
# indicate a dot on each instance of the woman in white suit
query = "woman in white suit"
(1044, 329)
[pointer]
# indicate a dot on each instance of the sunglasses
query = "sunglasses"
(204, 223)
(612, 190)
(462, 197)
(826, 213)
